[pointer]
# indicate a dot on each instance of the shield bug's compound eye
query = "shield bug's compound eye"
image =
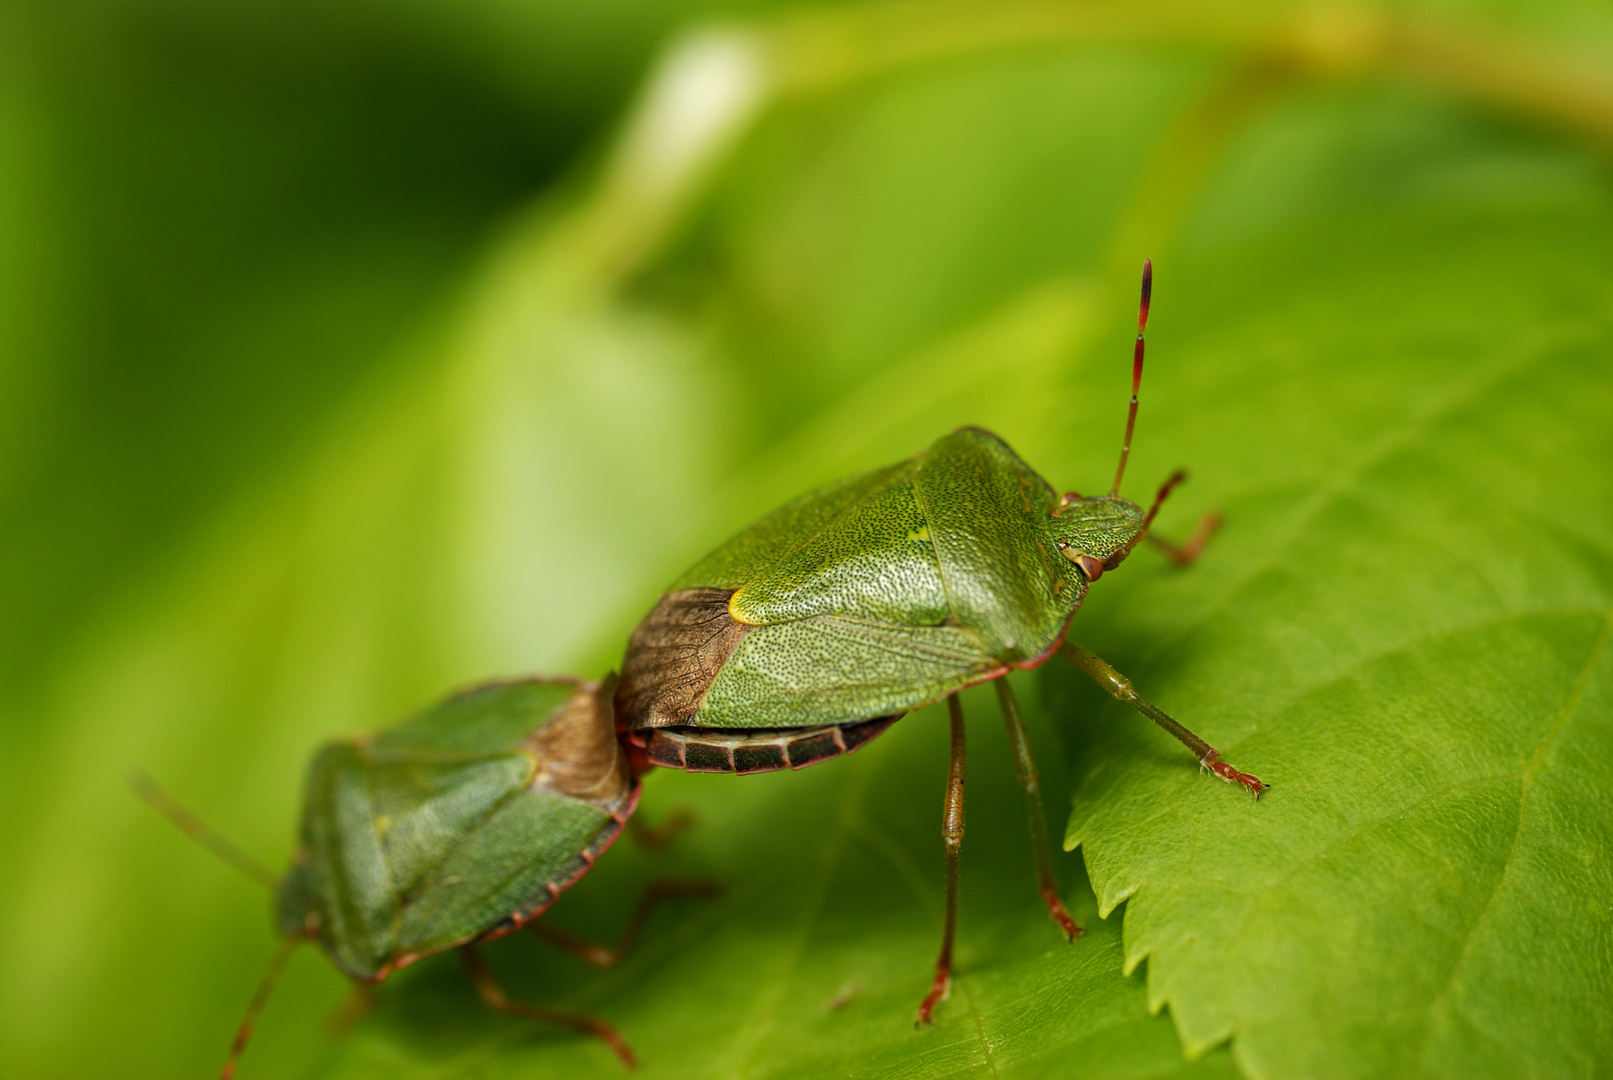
(1090, 566)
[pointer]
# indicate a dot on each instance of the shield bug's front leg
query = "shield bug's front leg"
(1120, 688)
(1185, 553)
(952, 834)
(601, 957)
(492, 994)
(1025, 769)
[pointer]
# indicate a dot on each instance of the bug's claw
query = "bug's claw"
(940, 990)
(1226, 772)
(1061, 915)
(608, 1035)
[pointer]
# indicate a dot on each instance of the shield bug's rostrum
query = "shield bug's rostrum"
(461, 824)
(816, 628)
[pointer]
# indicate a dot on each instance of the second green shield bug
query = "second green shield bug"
(816, 628)
(461, 824)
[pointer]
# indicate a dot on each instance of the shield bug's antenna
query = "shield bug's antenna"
(198, 830)
(259, 998)
(1136, 371)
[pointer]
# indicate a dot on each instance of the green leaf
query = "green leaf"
(1380, 341)
(1404, 627)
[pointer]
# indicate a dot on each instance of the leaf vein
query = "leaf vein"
(1570, 707)
(1349, 476)
(1407, 646)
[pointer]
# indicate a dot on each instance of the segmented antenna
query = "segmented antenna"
(198, 830)
(1136, 371)
(260, 998)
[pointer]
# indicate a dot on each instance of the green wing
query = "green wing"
(450, 823)
(829, 670)
(772, 538)
(496, 718)
(516, 861)
(343, 869)
(873, 561)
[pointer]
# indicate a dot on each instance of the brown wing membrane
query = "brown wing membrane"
(673, 656)
(578, 752)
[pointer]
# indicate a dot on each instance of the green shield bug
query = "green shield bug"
(461, 824)
(817, 627)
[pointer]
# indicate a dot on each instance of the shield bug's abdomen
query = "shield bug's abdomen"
(745, 752)
(462, 822)
(859, 601)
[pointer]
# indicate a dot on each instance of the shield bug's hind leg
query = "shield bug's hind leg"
(601, 957)
(1025, 769)
(952, 834)
(492, 994)
(1120, 688)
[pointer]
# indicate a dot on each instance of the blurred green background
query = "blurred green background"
(350, 351)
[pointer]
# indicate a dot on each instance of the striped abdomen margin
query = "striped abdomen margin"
(708, 750)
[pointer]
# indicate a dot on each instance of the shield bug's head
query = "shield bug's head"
(1097, 532)
(1092, 531)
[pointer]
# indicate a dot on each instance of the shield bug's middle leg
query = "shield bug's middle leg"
(1120, 688)
(1025, 769)
(358, 1004)
(655, 837)
(492, 994)
(952, 834)
(601, 957)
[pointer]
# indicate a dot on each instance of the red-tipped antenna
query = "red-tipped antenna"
(1136, 371)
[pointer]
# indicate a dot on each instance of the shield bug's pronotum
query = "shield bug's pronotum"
(461, 824)
(816, 628)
